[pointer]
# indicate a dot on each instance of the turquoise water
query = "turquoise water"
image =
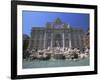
(54, 63)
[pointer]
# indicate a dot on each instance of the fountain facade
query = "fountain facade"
(56, 34)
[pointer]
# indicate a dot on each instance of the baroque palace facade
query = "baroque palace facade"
(56, 34)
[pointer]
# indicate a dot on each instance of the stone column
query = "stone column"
(29, 45)
(40, 38)
(70, 40)
(63, 40)
(51, 40)
(80, 41)
(44, 39)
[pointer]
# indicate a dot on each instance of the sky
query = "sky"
(39, 19)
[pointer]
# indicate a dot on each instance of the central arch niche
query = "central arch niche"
(57, 40)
